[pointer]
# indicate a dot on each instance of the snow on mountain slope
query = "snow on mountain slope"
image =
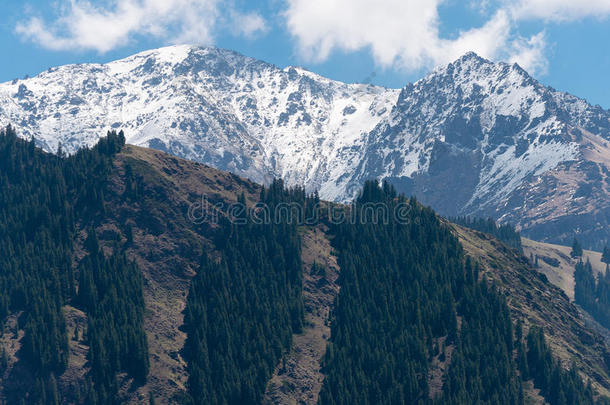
(207, 104)
(473, 137)
(473, 106)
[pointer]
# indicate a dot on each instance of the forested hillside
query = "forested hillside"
(112, 291)
(36, 220)
(243, 307)
(42, 197)
(408, 296)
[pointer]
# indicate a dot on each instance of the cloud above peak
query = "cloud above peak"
(405, 33)
(399, 34)
(84, 25)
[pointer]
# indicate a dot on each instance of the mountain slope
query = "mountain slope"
(555, 262)
(486, 139)
(167, 246)
(146, 205)
(472, 138)
(537, 302)
(530, 297)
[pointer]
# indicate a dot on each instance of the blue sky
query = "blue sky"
(563, 43)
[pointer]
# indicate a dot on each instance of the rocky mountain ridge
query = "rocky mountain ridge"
(471, 138)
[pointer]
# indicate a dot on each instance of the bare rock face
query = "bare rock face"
(472, 138)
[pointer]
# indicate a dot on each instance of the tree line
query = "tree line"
(504, 232)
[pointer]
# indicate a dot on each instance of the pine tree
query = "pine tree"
(555, 384)
(576, 249)
(606, 255)
(593, 295)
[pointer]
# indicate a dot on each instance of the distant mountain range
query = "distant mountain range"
(471, 138)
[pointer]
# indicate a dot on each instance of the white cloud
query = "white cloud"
(388, 27)
(559, 10)
(82, 25)
(248, 24)
(529, 53)
(399, 33)
(488, 41)
(403, 33)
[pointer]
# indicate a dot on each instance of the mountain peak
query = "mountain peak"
(470, 69)
(472, 62)
(175, 55)
(471, 56)
(170, 53)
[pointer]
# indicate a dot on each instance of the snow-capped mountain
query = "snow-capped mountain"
(206, 104)
(482, 138)
(473, 137)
